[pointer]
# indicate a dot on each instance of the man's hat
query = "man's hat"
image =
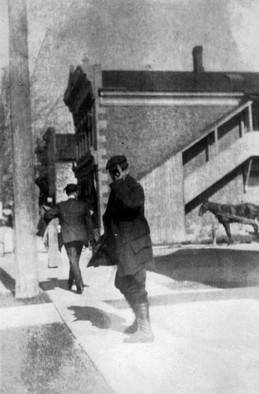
(114, 160)
(71, 188)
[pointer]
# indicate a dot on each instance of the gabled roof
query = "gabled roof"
(171, 81)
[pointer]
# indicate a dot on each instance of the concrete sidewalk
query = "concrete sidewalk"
(206, 339)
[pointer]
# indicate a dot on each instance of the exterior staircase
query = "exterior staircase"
(227, 144)
(218, 167)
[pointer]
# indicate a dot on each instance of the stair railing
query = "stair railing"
(208, 141)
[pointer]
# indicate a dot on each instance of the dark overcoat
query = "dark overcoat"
(74, 218)
(126, 241)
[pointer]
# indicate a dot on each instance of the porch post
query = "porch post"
(216, 141)
(250, 117)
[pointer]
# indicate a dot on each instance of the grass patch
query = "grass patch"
(47, 359)
(9, 300)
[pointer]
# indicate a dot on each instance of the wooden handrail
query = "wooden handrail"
(201, 178)
(220, 122)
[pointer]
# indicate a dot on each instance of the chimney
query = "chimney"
(197, 59)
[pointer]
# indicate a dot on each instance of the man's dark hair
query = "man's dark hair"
(70, 188)
(120, 160)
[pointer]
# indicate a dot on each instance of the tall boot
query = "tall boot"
(70, 283)
(144, 331)
(134, 326)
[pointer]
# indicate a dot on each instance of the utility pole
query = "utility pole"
(26, 276)
(2, 148)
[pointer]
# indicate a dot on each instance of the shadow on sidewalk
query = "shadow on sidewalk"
(195, 296)
(98, 317)
(203, 275)
(7, 280)
(52, 283)
(214, 267)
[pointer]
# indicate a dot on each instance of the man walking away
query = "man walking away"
(76, 228)
(129, 244)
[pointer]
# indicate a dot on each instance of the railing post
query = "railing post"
(242, 128)
(250, 117)
(216, 140)
(247, 175)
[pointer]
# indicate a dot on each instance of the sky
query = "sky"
(156, 33)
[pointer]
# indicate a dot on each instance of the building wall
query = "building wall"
(148, 135)
(151, 137)
(164, 202)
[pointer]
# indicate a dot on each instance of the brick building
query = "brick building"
(56, 157)
(187, 136)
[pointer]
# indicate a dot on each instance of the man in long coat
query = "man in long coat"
(127, 243)
(76, 228)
